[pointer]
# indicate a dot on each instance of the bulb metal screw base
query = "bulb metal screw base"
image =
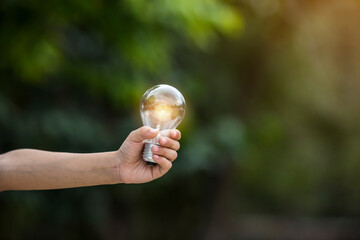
(147, 154)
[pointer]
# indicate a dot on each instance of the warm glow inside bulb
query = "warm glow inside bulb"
(163, 112)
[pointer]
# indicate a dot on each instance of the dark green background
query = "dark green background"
(271, 137)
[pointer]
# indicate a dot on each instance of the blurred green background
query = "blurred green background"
(271, 137)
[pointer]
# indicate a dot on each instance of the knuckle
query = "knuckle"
(168, 153)
(173, 144)
(170, 143)
(176, 134)
(174, 155)
(162, 150)
(143, 129)
(172, 134)
(169, 164)
(177, 146)
(132, 133)
(164, 141)
(165, 164)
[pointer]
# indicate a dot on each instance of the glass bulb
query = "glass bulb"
(162, 107)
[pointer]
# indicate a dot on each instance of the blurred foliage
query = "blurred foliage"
(271, 128)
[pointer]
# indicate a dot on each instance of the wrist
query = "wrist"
(117, 160)
(107, 165)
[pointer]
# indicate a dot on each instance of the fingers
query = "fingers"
(142, 133)
(175, 134)
(168, 153)
(164, 164)
(169, 143)
(169, 146)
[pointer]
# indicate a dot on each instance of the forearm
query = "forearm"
(27, 169)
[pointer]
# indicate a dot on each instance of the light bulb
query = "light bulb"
(162, 107)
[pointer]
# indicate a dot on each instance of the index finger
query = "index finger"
(175, 134)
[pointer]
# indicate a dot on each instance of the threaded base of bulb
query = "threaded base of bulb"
(147, 154)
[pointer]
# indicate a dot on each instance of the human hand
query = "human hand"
(131, 168)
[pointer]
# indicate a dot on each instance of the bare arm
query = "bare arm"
(28, 169)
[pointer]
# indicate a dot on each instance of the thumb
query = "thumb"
(142, 133)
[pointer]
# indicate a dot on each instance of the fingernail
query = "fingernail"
(155, 148)
(162, 140)
(155, 157)
(152, 131)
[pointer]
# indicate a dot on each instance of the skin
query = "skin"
(29, 169)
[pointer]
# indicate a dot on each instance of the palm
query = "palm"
(133, 168)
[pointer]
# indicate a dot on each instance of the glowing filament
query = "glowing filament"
(163, 112)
